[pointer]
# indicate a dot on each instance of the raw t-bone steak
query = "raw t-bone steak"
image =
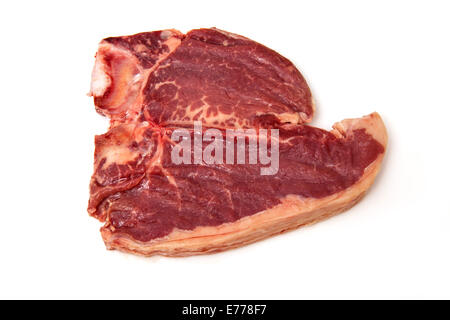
(155, 85)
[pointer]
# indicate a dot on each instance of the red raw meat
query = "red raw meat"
(153, 83)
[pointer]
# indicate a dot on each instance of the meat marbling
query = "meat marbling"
(153, 83)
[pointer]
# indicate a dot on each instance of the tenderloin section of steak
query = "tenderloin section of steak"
(209, 75)
(155, 83)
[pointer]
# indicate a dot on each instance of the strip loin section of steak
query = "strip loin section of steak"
(153, 83)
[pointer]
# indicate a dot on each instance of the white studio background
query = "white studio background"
(358, 57)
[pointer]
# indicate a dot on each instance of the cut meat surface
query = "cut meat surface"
(122, 67)
(153, 84)
(221, 79)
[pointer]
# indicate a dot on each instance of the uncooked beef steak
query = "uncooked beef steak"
(163, 89)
